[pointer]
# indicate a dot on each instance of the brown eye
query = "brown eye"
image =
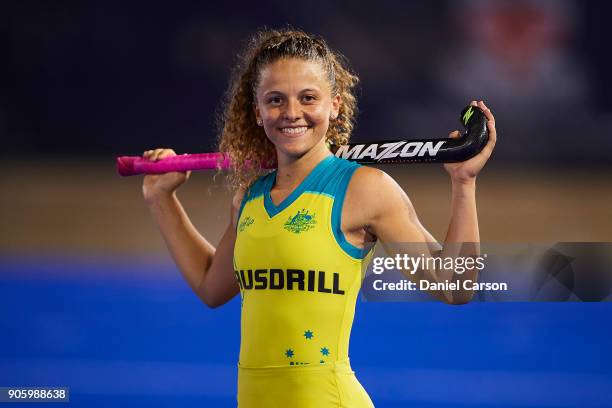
(309, 98)
(275, 100)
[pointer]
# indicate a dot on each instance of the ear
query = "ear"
(335, 106)
(257, 113)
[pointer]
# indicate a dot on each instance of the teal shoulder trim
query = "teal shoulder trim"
(340, 180)
(255, 190)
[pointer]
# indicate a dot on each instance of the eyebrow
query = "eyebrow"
(302, 91)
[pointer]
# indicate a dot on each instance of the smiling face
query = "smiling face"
(294, 102)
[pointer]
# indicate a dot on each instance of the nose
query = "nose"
(293, 110)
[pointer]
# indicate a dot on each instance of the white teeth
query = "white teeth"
(294, 130)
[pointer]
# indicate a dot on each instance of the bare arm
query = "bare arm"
(208, 270)
(391, 217)
(387, 213)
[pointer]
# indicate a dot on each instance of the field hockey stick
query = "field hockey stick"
(444, 150)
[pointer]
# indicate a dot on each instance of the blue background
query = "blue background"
(86, 81)
(139, 337)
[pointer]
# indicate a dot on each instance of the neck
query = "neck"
(292, 170)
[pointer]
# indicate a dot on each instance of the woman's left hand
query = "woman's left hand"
(465, 172)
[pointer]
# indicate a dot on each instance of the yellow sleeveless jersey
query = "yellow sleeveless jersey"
(298, 276)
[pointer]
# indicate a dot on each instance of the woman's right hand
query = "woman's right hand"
(156, 186)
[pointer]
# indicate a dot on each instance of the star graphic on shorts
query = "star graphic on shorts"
(325, 351)
(289, 353)
(308, 334)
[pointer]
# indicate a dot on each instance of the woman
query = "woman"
(294, 246)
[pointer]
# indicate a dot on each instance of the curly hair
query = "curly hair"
(240, 137)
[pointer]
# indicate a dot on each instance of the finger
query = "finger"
(156, 154)
(147, 154)
(488, 149)
(473, 103)
(487, 111)
(492, 131)
(455, 134)
(490, 121)
(166, 153)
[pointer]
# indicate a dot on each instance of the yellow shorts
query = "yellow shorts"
(308, 386)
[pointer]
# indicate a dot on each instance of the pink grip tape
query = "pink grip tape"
(132, 165)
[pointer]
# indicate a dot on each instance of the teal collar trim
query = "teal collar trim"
(273, 209)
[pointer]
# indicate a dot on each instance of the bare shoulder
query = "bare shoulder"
(372, 183)
(237, 199)
(371, 192)
(236, 203)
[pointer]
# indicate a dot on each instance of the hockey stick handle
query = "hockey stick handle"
(445, 150)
